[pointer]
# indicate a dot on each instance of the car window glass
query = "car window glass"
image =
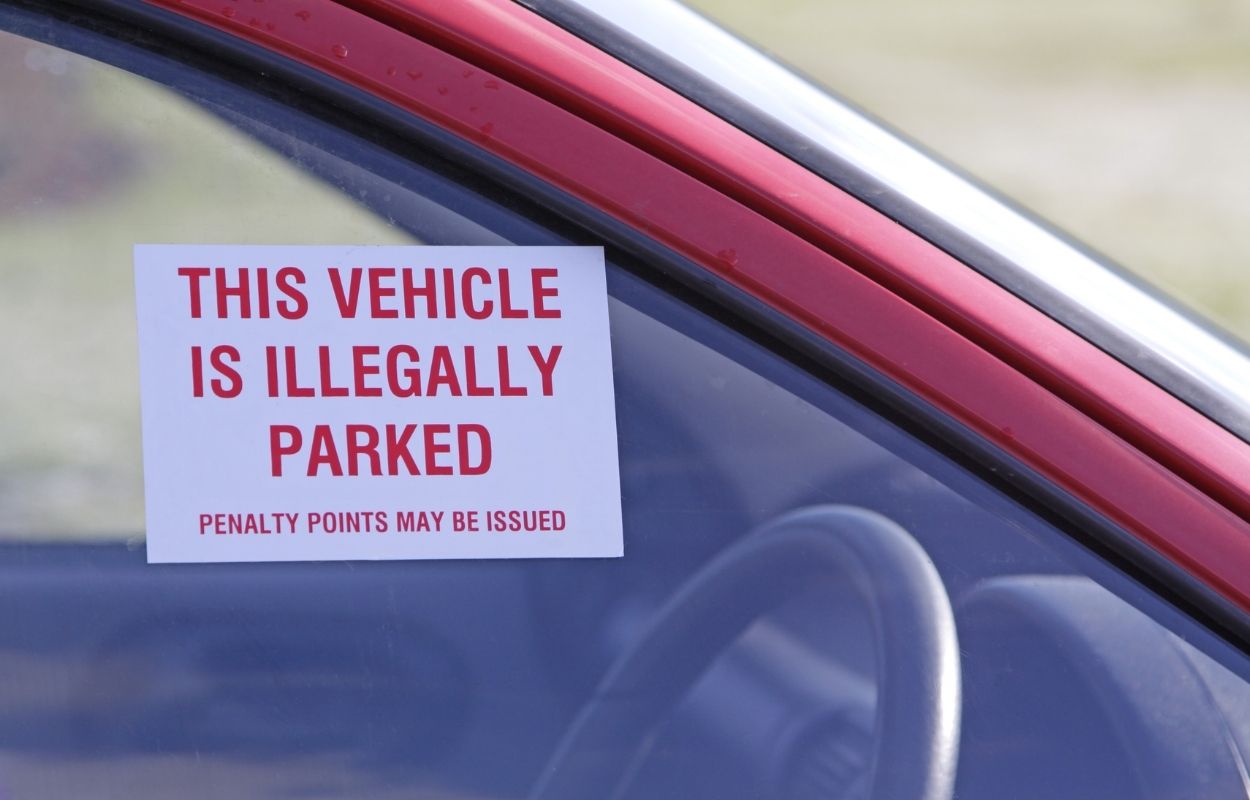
(96, 161)
(808, 590)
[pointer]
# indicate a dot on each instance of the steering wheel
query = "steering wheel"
(916, 742)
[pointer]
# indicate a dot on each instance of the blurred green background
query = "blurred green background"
(1123, 122)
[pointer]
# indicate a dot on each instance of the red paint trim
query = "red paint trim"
(499, 35)
(547, 102)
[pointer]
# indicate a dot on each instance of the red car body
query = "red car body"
(514, 84)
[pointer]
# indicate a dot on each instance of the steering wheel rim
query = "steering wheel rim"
(916, 746)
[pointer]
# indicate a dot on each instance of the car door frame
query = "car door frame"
(1122, 464)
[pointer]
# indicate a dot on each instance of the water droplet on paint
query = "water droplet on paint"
(339, 50)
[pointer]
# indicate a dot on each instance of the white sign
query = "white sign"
(326, 403)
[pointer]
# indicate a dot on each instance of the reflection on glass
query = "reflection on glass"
(96, 161)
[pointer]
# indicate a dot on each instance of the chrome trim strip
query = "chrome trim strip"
(1150, 335)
